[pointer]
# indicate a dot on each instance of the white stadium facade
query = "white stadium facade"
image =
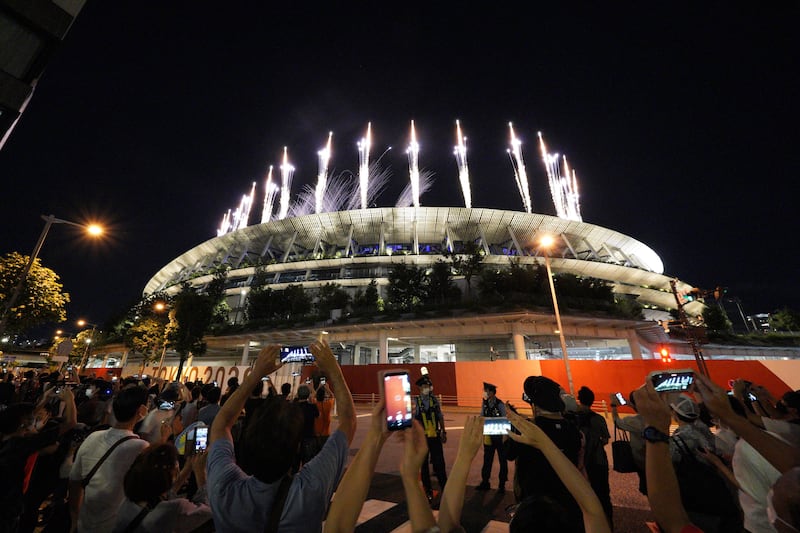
(351, 248)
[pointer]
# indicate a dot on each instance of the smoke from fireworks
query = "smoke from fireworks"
(515, 154)
(322, 177)
(363, 165)
(270, 191)
(460, 152)
(287, 171)
(563, 184)
(413, 165)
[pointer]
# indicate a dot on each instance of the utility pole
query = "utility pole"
(689, 330)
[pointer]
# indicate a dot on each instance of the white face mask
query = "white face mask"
(89, 393)
(485, 395)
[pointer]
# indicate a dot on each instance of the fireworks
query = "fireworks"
(363, 165)
(563, 184)
(460, 152)
(322, 177)
(515, 154)
(270, 191)
(413, 165)
(346, 191)
(287, 171)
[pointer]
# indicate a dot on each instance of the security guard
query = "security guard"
(429, 414)
(493, 407)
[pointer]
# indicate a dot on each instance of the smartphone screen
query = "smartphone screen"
(620, 398)
(397, 396)
(166, 406)
(200, 439)
(496, 426)
(673, 381)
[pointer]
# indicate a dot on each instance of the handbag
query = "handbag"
(622, 453)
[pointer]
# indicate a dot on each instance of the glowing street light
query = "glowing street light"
(545, 244)
(92, 229)
(85, 359)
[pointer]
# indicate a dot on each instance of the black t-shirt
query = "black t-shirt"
(534, 475)
(310, 413)
(14, 454)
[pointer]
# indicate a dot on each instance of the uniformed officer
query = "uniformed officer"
(493, 407)
(429, 414)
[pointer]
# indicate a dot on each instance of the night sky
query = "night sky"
(680, 119)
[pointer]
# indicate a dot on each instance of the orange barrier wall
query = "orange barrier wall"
(465, 380)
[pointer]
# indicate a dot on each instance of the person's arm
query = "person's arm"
(75, 496)
(353, 487)
(662, 483)
(721, 467)
(415, 449)
(268, 362)
(70, 411)
(440, 418)
(594, 518)
(453, 496)
(780, 454)
(346, 411)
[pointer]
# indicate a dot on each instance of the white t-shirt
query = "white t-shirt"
(756, 476)
(151, 425)
(104, 494)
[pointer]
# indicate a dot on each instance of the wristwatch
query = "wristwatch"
(652, 434)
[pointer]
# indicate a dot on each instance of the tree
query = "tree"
(406, 287)
(716, 319)
(368, 300)
(785, 320)
(147, 336)
(467, 263)
(331, 296)
(194, 313)
(439, 283)
(41, 300)
(293, 303)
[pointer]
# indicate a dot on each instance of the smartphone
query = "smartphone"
(200, 439)
(166, 406)
(496, 426)
(397, 398)
(676, 381)
(620, 398)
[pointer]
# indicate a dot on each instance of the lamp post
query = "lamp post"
(546, 243)
(49, 220)
(89, 341)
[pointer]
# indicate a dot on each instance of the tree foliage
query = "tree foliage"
(468, 262)
(785, 320)
(194, 312)
(439, 286)
(407, 289)
(331, 296)
(716, 319)
(42, 298)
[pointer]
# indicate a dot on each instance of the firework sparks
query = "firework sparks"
(460, 152)
(287, 171)
(363, 165)
(322, 177)
(225, 226)
(270, 191)
(413, 165)
(515, 154)
(563, 184)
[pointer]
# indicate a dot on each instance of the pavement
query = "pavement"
(484, 511)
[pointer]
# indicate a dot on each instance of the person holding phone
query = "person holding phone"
(429, 414)
(493, 407)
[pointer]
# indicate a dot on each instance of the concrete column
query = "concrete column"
(245, 354)
(633, 342)
(356, 354)
(383, 347)
(519, 345)
(124, 360)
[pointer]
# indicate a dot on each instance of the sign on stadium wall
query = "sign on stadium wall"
(206, 374)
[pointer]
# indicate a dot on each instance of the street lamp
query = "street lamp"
(85, 358)
(546, 244)
(92, 229)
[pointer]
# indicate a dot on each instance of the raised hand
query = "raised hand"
(269, 360)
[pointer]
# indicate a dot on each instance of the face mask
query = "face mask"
(426, 391)
(485, 395)
(89, 393)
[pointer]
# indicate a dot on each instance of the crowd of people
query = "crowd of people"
(135, 455)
